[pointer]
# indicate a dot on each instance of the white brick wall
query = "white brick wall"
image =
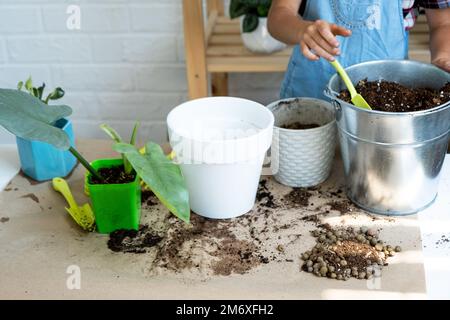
(125, 63)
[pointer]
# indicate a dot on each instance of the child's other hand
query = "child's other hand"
(443, 63)
(318, 39)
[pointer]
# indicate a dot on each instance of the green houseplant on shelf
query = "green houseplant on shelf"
(254, 32)
(29, 118)
(39, 160)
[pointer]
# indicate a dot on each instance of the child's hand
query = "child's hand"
(318, 39)
(443, 63)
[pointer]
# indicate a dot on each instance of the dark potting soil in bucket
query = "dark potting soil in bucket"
(113, 175)
(393, 97)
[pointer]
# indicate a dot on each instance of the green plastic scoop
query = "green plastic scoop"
(82, 215)
(357, 99)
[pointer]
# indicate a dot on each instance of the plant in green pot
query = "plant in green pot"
(254, 32)
(159, 173)
(120, 191)
(39, 160)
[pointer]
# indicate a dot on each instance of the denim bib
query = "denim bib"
(377, 33)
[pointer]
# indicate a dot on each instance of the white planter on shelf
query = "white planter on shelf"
(260, 40)
(226, 8)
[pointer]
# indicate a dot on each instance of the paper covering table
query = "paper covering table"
(39, 242)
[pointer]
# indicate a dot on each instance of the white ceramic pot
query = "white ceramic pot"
(220, 144)
(260, 40)
(303, 157)
(226, 7)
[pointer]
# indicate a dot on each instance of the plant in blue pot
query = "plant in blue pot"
(39, 160)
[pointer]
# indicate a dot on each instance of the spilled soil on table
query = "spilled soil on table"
(4, 219)
(270, 233)
(31, 196)
(133, 241)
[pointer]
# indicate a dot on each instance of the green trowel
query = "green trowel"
(357, 99)
(82, 215)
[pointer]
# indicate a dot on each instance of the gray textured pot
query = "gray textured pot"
(302, 158)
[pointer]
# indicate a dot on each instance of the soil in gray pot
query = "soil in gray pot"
(300, 126)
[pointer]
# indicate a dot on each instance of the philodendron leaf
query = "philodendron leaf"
(111, 132)
(29, 118)
(161, 175)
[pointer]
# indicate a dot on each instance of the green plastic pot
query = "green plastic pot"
(116, 206)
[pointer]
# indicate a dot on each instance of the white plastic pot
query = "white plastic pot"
(220, 144)
(226, 7)
(260, 40)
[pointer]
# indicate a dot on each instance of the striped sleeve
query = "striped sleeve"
(434, 4)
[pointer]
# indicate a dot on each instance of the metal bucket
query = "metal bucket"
(392, 161)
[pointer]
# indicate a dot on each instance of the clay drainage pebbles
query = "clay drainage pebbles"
(344, 253)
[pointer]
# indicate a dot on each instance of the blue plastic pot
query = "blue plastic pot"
(41, 161)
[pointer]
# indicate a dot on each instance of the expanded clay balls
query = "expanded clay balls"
(344, 253)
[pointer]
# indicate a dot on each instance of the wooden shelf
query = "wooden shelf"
(226, 53)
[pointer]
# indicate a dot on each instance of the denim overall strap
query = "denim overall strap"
(377, 33)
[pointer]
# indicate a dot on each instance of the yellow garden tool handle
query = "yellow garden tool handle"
(61, 186)
(170, 156)
(344, 77)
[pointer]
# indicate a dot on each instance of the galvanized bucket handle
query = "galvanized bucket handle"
(337, 106)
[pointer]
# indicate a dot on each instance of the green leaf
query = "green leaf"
(112, 133)
(250, 23)
(20, 85)
(35, 92)
(161, 175)
(29, 118)
(134, 134)
(263, 11)
(58, 93)
(126, 164)
(237, 8)
(29, 84)
(41, 91)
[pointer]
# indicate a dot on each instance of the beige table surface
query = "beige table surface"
(39, 242)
